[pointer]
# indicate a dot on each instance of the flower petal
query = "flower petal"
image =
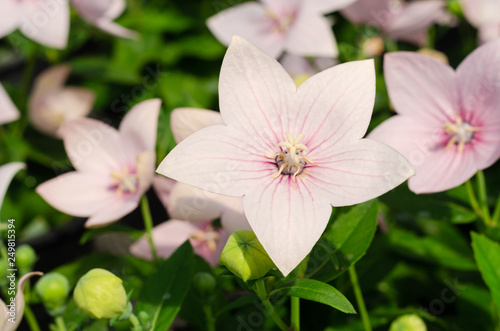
(78, 194)
(419, 84)
(114, 210)
(146, 164)
(8, 111)
(357, 173)
(163, 187)
(233, 216)
(9, 16)
(311, 35)
(138, 128)
(20, 302)
(336, 106)
(46, 22)
(116, 29)
(251, 21)
(167, 237)
(49, 81)
(7, 172)
(372, 12)
(230, 166)
(286, 219)
(328, 6)
(186, 121)
(255, 94)
(94, 146)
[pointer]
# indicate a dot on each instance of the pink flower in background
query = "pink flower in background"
(401, 20)
(485, 16)
(102, 13)
(275, 26)
(449, 122)
(301, 68)
(51, 103)
(113, 168)
(290, 152)
(44, 21)
(8, 111)
(5, 325)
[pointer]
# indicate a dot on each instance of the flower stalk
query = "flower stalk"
(148, 224)
(262, 294)
(359, 298)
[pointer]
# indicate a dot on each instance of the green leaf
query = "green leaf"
(487, 254)
(347, 240)
(314, 290)
(164, 292)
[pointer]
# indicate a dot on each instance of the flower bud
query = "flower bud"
(245, 257)
(25, 258)
(204, 285)
(53, 288)
(100, 294)
(410, 322)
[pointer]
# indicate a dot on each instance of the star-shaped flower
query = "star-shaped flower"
(295, 26)
(259, 104)
(401, 20)
(51, 103)
(449, 121)
(44, 21)
(113, 168)
(102, 13)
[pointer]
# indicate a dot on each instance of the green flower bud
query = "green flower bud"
(25, 257)
(245, 257)
(144, 320)
(53, 288)
(409, 322)
(100, 294)
(204, 284)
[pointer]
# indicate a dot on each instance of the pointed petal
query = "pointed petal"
(163, 187)
(138, 128)
(443, 170)
(336, 106)
(186, 121)
(192, 204)
(357, 173)
(114, 210)
(255, 94)
(328, 6)
(8, 111)
(311, 35)
(49, 81)
(167, 237)
(4, 314)
(419, 84)
(69, 103)
(46, 22)
(78, 194)
(9, 16)
(229, 166)
(251, 21)
(7, 172)
(20, 302)
(288, 220)
(93, 146)
(116, 29)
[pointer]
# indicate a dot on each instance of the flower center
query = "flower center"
(460, 133)
(125, 181)
(282, 21)
(209, 237)
(290, 160)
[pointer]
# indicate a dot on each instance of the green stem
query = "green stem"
(209, 317)
(27, 76)
(359, 298)
(31, 319)
(483, 197)
(496, 215)
(472, 199)
(61, 326)
(295, 313)
(148, 225)
(136, 325)
(262, 294)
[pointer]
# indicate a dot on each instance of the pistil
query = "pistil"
(460, 133)
(124, 182)
(290, 160)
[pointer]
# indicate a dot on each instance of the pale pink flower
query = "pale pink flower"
(113, 168)
(449, 122)
(295, 26)
(51, 103)
(8, 111)
(7, 172)
(290, 152)
(102, 13)
(44, 21)
(485, 16)
(401, 20)
(8, 321)
(301, 68)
